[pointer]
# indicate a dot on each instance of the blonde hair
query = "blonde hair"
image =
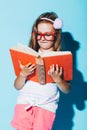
(33, 41)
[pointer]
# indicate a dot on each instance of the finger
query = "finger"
(32, 72)
(20, 64)
(28, 65)
(49, 71)
(32, 69)
(57, 67)
(61, 71)
(32, 66)
(52, 68)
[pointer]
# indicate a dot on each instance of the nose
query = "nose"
(42, 37)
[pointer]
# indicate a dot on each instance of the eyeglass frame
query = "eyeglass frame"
(53, 34)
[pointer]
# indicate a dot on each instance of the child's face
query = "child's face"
(45, 36)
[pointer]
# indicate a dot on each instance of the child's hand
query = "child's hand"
(27, 69)
(55, 72)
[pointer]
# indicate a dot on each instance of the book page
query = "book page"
(54, 53)
(25, 49)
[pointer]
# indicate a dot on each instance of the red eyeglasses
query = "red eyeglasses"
(49, 36)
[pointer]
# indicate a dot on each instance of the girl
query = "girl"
(37, 104)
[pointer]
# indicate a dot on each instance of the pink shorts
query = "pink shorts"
(35, 118)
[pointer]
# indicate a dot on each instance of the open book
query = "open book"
(25, 54)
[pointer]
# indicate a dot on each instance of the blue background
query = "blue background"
(16, 18)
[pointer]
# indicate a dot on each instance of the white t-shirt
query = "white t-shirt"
(44, 96)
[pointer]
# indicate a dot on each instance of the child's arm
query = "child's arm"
(56, 73)
(25, 71)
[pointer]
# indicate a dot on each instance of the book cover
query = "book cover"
(25, 55)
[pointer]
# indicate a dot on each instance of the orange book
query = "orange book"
(25, 55)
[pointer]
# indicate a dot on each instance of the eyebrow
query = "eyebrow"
(45, 32)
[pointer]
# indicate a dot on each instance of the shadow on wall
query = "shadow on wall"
(78, 94)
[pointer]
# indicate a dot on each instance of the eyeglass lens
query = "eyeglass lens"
(47, 36)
